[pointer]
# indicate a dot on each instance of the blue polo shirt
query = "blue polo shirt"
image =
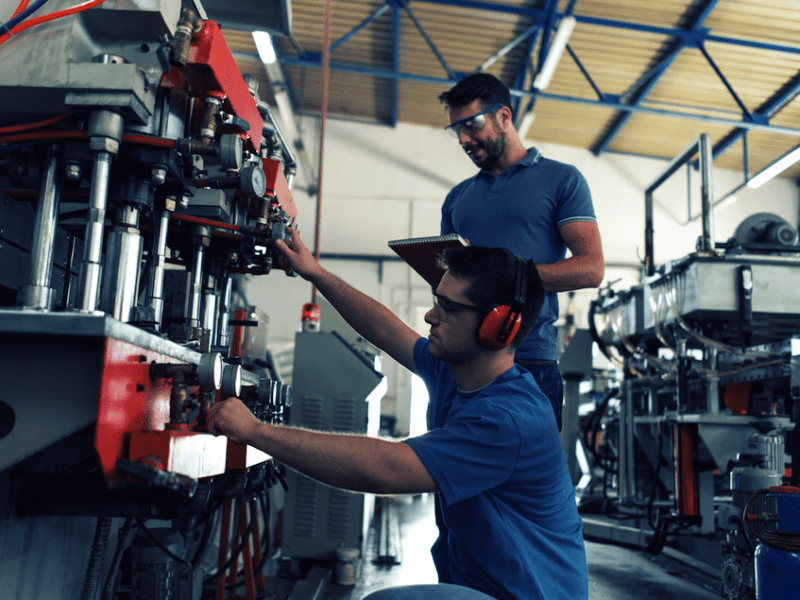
(511, 524)
(522, 210)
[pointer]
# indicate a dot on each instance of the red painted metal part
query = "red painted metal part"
(224, 537)
(211, 71)
(686, 482)
(238, 332)
(277, 184)
(129, 401)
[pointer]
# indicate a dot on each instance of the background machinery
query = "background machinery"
(708, 396)
(141, 179)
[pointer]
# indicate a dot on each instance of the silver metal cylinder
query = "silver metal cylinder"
(224, 309)
(38, 294)
(93, 240)
(210, 312)
(196, 285)
(123, 256)
(158, 251)
(707, 192)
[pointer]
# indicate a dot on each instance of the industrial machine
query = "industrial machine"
(703, 415)
(141, 178)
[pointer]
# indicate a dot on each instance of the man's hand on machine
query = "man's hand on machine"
(232, 419)
(298, 256)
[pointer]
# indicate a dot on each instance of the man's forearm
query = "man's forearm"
(574, 273)
(364, 314)
(353, 462)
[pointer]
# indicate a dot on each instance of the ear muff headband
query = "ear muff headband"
(502, 322)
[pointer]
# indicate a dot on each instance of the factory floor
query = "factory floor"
(615, 573)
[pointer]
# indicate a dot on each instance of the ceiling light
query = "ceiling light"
(264, 46)
(557, 46)
(774, 169)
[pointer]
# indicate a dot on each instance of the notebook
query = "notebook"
(422, 253)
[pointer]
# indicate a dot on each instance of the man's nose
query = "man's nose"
(432, 316)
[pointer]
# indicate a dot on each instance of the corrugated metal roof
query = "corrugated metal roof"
(645, 77)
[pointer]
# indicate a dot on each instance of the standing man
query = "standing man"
(520, 200)
(493, 453)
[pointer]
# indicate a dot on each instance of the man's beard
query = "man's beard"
(494, 150)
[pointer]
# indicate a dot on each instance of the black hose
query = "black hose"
(91, 585)
(108, 592)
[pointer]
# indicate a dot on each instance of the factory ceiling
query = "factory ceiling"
(639, 77)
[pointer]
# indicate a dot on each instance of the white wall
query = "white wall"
(382, 183)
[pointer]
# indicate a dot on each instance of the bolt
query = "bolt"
(158, 175)
(74, 171)
(184, 202)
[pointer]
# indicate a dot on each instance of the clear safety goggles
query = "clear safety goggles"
(470, 125)
(450, 307)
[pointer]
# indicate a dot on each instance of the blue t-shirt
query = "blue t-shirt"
(512, 524)
(522, 210)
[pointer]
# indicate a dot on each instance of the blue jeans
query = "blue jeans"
(547, 375)
(436, 591)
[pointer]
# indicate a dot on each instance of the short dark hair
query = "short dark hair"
(492, 273)
(478, 86)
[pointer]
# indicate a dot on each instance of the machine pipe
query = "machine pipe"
(39, 294)
(158, 253)
(201, 239)
(123, 256)
(707, 192)
(224, 309)
(91, 584)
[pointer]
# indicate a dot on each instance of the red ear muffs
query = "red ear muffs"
(499, 327)
(502, 322)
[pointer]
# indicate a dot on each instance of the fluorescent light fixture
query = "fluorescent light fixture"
(557, 46)
(774, 169)
(525, 124)
(264, 46)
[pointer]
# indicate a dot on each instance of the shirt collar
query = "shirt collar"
(530, 159)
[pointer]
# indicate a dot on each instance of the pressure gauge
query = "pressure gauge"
(253, 181)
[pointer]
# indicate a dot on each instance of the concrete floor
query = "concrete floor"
(615, 573)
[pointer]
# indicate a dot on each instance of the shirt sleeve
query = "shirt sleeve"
(446, 225)
(575, 199)
(475, 451)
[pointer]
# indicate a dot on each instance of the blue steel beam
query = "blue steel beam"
(642, 93)
(686, 36)
(345, 38)
(762, 116)
(610, 102)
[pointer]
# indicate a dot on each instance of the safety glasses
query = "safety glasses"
(470, 125)
(450, 307)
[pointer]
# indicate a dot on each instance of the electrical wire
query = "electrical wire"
(158, 543)
(15, 29)
(20, 16)
(786, 541)
(672, 300)
(36, 125)
(22, 6)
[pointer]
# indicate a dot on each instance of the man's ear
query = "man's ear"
(505, 116)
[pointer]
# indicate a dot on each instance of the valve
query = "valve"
(207, 373)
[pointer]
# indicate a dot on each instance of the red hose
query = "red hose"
(326, 64)
(44, 18)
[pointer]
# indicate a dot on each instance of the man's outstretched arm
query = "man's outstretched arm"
(376, 323)
(353, 462)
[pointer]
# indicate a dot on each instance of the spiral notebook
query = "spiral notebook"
(422, 253)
